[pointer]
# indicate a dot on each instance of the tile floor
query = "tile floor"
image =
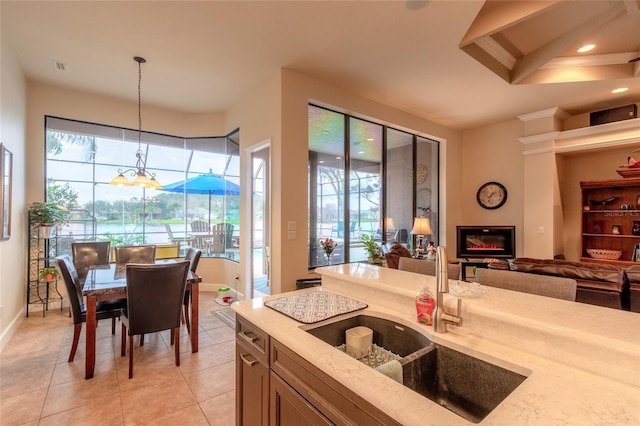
(39, 387)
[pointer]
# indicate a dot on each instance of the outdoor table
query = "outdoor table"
(108, 282)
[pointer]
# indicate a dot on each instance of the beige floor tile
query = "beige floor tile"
(155, 399)
(147, 373)
(23, 408)
(75, 394)
(210, 356)
(211, 382)
(69, 371)
(220, 410)
(15, 363)
(107, 411)
(17, 383)
(191, 415)
(221, 335)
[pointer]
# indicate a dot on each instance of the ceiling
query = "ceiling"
(419, 56)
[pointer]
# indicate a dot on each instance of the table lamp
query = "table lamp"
(421, 227)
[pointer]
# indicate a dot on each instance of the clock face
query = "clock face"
(492, 195)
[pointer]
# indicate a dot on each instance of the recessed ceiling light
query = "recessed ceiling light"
(360, 152)
(370, 139)
(586, 48)
(620, 90)
(338, 158)
(326, 132)
(321, 161)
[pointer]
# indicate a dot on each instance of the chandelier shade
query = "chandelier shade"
(143, 177)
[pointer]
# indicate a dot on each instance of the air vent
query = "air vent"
(61, 66)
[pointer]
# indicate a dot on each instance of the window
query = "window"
(82, 158)
(392, 178)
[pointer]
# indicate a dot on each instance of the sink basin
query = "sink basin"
(465, 385)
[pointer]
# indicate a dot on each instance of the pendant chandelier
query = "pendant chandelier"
(143, 177)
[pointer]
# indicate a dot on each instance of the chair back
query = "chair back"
(86, 255)
(200, 226)
(154, 296)
(542, 285)
(401, 236)
(427, 267)
(135, 254)
(169, 231)
(193, 256)
(218, 239)
(72, 283)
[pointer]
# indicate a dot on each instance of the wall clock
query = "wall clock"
(492, 195)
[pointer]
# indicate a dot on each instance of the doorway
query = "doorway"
(260, 220)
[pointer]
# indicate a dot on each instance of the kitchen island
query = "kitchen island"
(582, 362)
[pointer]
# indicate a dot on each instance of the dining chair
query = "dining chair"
(104, 310)
(135, 254)
(154, 303)
(89, 254)
(193, 256)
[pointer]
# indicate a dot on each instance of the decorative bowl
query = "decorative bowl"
(604, 254)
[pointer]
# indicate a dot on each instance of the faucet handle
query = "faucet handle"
(457, 318)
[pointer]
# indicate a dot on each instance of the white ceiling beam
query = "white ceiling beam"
(590, 60)
(530, 63)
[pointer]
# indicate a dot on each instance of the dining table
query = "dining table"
(108, 282)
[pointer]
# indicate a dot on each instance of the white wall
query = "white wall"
(13, 113)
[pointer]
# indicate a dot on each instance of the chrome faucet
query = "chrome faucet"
(441, 317)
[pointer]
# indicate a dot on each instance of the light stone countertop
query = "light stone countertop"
(582, 361)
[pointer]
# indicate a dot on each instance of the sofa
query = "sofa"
(597, 283)
(633, 277)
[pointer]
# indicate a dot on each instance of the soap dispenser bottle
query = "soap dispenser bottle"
(425, 304)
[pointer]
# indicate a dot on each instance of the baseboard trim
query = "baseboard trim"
(8, 333)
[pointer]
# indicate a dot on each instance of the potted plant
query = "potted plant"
(372, 248)
(45, 216)
(49, 274)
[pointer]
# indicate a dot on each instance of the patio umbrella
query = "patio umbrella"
(206, 184)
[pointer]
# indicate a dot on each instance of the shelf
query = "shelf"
(587, 234)
(615, 212)
(619, 262)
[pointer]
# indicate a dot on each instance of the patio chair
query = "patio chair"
(186, 240)
(200, 226)
(221, 240)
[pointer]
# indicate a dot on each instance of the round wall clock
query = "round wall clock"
(492, 195)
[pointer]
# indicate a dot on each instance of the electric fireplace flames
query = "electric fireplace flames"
(486, 241)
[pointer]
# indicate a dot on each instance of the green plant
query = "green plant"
(46, 214)
(372, 248)
(49, 273)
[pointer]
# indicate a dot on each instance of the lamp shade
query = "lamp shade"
(120, 180)
(421, 226)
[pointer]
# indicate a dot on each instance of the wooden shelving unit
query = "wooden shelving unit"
(609, 210)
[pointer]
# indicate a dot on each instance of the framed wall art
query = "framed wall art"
(6, 172)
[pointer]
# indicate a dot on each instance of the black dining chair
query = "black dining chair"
(89, 254)
(71, 280)
(193, 256)
(154, 303)
(135, 254)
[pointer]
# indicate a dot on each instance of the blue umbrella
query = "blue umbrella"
(206, 184)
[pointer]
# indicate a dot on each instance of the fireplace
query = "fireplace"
(486, 242)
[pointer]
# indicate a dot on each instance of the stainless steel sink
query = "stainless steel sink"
(465, 385)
